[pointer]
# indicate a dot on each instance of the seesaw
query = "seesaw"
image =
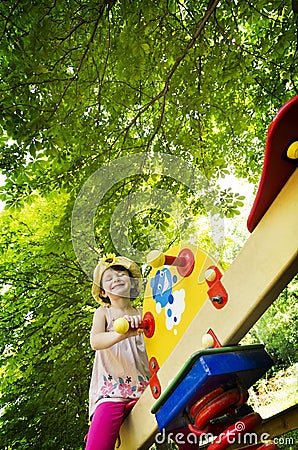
(222, 306)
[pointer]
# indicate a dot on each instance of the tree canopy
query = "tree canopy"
(181, 84)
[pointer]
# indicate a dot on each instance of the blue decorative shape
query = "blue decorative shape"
(161, 286)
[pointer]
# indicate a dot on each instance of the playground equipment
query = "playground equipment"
(190, 304)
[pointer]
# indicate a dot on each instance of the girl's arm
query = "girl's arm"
(101, 339)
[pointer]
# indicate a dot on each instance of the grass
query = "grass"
(270, 396)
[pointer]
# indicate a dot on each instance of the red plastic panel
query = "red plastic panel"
(277, 168)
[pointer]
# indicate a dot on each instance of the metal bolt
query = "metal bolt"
(217, 299)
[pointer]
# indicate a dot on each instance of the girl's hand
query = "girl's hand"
(134, 322)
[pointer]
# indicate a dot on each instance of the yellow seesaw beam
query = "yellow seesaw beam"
(265, 265)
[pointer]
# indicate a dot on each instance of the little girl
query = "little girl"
(120, 371)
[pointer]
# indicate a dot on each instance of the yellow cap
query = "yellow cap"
(111, 260)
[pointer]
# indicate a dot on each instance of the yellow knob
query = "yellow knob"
(292, 151)
(210, 275)
(121, 325)
(155, 258)
(207, 341)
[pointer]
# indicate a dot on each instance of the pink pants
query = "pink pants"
(105, 426)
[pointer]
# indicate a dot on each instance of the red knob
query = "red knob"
(148, 324)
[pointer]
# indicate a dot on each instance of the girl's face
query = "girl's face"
(116, 282)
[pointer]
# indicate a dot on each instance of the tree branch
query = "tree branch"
(106, 3)
(163, 92)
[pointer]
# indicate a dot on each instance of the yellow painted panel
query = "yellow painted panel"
(174, 301)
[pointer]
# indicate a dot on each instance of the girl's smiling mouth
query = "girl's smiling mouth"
(118, 285)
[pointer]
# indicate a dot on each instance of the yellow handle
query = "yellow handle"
(121, 325)
(292, 151)
(156, 258)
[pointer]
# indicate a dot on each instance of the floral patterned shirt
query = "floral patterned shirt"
(120, 372)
